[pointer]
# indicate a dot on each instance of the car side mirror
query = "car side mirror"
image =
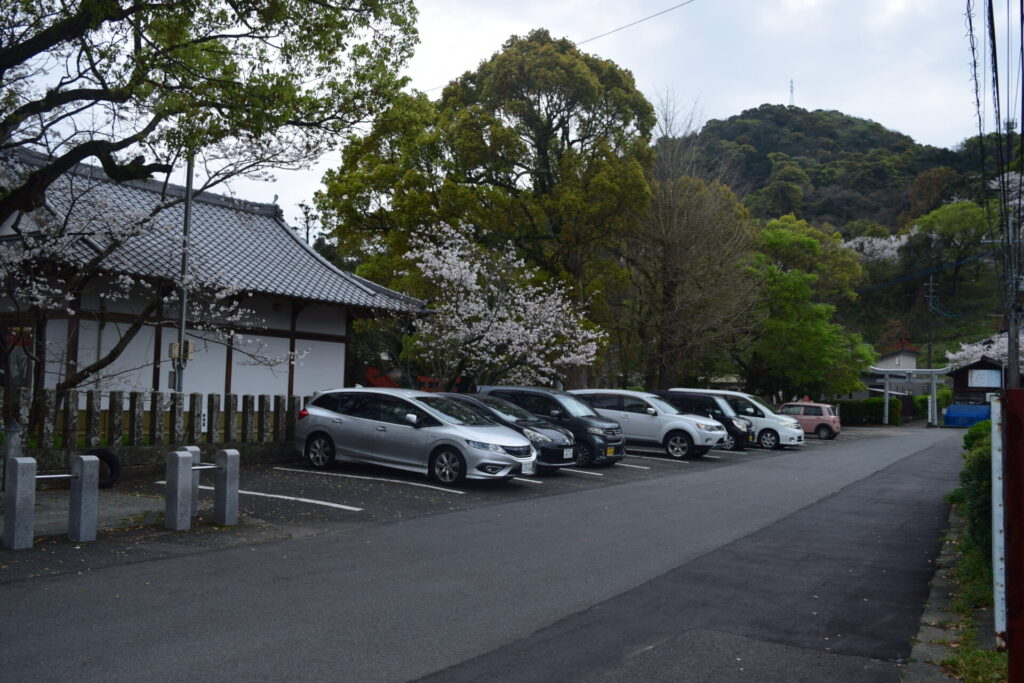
(413, 419)
(556, 413)
(652, 411)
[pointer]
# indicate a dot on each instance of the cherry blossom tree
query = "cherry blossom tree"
(492, 318)
(995, 347)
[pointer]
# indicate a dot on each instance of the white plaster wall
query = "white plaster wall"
(247, 378)
(322, 318)
(133, 368)
(205, 372)
(323, 367)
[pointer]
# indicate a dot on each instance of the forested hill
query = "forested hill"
(831, 168)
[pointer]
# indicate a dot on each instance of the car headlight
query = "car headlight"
(493, 447)
(742, 426)
(535, 436)
(707, 427)
(596, 430)
(794, 424)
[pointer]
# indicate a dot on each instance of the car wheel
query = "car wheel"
(584, 454)
(448, 467)
(320, 451)
(730, 443)
(823, 432)
(678, 445)
(768, 439)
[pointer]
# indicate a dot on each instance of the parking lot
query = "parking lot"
(293, 494)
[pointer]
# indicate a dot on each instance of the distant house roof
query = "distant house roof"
(238, 243)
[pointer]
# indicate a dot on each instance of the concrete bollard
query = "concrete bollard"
(177, 511)
(196, 457)
(82, 510)
(225, 500)
(19, 503)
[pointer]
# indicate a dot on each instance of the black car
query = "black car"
(740, 430)
(598, 439)
(555, 445)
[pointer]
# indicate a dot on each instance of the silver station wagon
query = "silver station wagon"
(410, 430)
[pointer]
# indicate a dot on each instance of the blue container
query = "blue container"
(963, 415)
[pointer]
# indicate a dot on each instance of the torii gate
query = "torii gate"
(931, 373)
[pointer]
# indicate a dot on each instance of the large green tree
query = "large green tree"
(542, 144)
(138, 85)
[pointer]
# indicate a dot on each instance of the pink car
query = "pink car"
(819, 419)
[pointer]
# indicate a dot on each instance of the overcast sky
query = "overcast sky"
(902, 63)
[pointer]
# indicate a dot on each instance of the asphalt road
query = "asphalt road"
(801, 565)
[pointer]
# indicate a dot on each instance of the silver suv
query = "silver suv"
(410, 430)
(649, 420)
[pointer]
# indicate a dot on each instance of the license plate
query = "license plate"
(611, 450)
(567, 454)
(529, 468)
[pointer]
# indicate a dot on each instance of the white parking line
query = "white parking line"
(356, 476)
(528, 481)
(574, 471)
(294, 498)
(645, 457)
(636, 467)
(713, 457)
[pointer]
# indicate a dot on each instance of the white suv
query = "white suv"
(649, 420)
(771, 429)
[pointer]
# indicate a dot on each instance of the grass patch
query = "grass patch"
(969, 662)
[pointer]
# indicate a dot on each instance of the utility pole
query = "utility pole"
(182, 359)
(929, 297)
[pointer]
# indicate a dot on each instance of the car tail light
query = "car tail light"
(303, 413)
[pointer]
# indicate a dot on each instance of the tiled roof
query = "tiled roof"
(238, 243)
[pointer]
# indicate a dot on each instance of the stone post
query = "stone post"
(19, 503)
(225, 502)
(177, 418)
(49, 406)
(248, 417)
(157, 407)
(264, 419)
(231, 418)
(195, 418)
(280, 418)
(136, 414)
(213, 418)
(115, 419)
(178, 509)
(92, 418)
(70, 436)
(85, 478)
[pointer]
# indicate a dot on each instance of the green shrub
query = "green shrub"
(979, 431)
(921, 406)
(944, 397)
(976, 482)
(869, 411)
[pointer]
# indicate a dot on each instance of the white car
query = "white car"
(771, 429)
(649, 420)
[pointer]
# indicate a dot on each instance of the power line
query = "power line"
(638, 21)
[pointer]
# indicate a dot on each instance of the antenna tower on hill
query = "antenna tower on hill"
(792, 99)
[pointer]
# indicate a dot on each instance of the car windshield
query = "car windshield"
(576, 407)
(455, 412)
(757, 404)
(724, 407)
(508, 411)
(663, 406)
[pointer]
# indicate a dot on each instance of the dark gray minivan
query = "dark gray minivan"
(598, 439)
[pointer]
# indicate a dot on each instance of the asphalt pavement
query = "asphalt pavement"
(795, 565)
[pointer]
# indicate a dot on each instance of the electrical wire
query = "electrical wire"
(638, 21)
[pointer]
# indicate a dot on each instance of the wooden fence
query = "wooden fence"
(116, 418)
